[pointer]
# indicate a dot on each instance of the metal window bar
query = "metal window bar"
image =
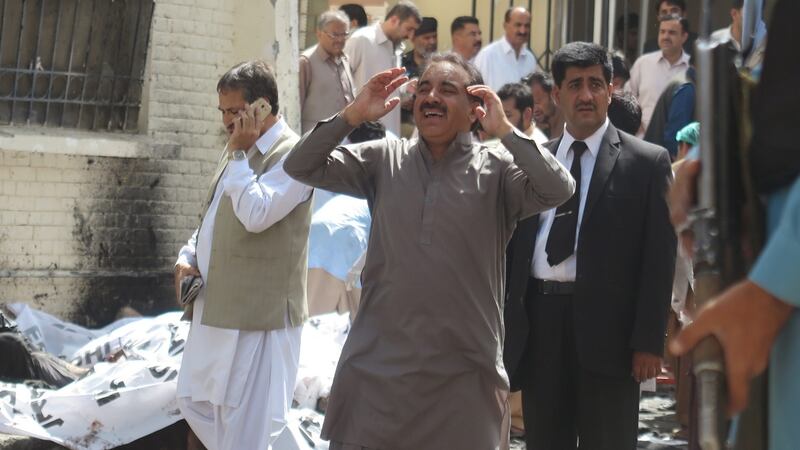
(73, 63)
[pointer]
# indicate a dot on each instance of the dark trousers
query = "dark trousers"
(566, 406)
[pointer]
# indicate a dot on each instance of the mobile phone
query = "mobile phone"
(261, 109)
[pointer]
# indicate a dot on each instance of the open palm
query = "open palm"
(373, 102)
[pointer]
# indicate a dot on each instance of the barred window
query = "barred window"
(73, 63)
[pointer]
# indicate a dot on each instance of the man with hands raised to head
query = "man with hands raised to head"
(422, 367)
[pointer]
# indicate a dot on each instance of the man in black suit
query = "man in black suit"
(589, 283)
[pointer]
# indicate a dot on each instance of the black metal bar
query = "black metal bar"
(588, 18)
(119, 49)
(530, 34)
(474, 7)
(71, 54)
(547, 49)
(625, 27)
(36, 59)
(2, 27)
(19, 51)
(64, 73)
(86, 61)
(53, 61)
(491, 22)
(62, 102)
(133, 63)
(105, 45)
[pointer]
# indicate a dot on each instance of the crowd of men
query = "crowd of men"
(521, 235)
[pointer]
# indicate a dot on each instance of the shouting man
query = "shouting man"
(429, 328)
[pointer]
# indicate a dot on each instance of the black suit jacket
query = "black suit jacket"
(625, 262)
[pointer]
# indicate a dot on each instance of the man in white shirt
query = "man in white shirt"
(465, 32)
(376, 48)
(733, 35)
(589, 283)
(508, 60)
(518, 106)
(239, 367)
(653, 71)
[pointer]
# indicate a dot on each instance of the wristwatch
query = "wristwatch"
(238, 155)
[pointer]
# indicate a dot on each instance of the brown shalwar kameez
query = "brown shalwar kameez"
(423, 365)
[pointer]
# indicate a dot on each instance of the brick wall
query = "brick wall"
(81, 235)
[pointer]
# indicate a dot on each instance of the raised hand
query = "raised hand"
(491, 115)
(373, 102)
(245, 130)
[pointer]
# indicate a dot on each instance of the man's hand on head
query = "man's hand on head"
(245, 130)
(373, 101)
(493, 120)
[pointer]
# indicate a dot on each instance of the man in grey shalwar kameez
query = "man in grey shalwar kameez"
(423, 366)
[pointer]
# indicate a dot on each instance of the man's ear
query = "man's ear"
(527, 115)
(556, 95)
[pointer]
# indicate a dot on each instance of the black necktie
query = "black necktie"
(561, 241)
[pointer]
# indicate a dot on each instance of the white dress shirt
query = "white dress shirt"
(369, 52)
(650, 75)
(257, 203)
(500, 65)
(217, 361)
(565, 271)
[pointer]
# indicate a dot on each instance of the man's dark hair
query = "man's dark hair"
(624, 112)
(255, 80)
(519, 92)
(355, 12)
(543, 79)
(507, 17)
(620, 67)
(473, 75)
(632, 19)
(462, 21)
(737, 4)
(679, 3)
(404, 10)
(682, 20)
(580, 54)
(367, 131)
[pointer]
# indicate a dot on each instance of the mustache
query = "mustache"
(585, 105)
(432, 107)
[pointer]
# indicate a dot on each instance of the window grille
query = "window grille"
(73, 63)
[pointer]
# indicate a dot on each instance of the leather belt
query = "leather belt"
(548, 287)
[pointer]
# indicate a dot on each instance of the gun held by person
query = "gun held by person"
(715, 223)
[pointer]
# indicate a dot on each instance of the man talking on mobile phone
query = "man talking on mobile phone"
(237, 377)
